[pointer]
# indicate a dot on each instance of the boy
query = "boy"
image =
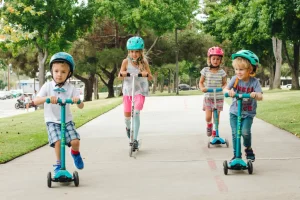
(245, 64)
(61, 67)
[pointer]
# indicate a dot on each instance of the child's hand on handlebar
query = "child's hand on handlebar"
(231, 93)
(75, 99)
(124, 73)
(144, 73)
(53, 99)
(253, 95)
(204, 89)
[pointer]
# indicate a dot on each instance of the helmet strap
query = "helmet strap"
(214, 67)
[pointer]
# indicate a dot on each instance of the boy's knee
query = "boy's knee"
(75, 142)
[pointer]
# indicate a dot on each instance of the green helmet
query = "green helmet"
(63, 57)
(249, 55)
(135, 43)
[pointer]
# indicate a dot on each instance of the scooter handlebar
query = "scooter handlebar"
(128, 74)
(239, 95)
(66, 101)
(214, 90)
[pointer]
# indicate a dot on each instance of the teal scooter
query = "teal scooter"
(217, 140)
(238, 163)
(63, 176)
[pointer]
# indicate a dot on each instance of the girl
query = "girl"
(135, 63)
(212, 77)
(245, 64)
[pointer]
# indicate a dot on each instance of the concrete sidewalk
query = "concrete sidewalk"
(174, 162)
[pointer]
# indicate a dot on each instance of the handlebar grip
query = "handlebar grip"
(67, 101)
(239, 95)
(212, 89)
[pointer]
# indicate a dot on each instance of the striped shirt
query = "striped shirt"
(213, 80)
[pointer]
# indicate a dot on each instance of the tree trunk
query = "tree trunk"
(96, 91)
(174, 84)
(169, 85)
(111, 78)
(294, 67)
(88, 86)
(272, 74)
(42, 57)
(154, 82)
(277, 50)
(162, 84)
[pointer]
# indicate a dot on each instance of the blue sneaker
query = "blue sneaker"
(56, 169)
(78, 162)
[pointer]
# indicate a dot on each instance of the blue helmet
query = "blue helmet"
(63, 57)
(249, 55)
(135, 43)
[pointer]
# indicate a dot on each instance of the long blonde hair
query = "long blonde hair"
(143, 59)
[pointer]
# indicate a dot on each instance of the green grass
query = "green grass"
(24, 133)
(282, 109)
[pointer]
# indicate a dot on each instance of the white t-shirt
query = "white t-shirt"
(52, 111)
(26, 99)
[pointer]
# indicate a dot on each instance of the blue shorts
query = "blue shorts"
(54, 133)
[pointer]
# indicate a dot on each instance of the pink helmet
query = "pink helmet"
(215, 51)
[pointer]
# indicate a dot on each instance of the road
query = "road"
(174, 162)
(7, 108)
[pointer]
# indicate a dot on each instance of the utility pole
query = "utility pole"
(177, 67)
(8, 76)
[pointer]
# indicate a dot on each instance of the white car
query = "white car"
(2, 95)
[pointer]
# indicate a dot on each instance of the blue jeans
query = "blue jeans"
(246, 124)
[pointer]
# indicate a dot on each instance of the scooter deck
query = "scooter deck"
(237, 164)
(63, 176)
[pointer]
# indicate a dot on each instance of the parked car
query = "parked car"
(9, 95)
(2, 95)
(184, 87)
(16, 93)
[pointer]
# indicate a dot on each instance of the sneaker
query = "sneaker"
(209, 130)
(78, 162)
(213, 133)
(249, 154)
(56, 169)
(135, 144)
(128, 132)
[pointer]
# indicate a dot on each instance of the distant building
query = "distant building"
(28, 86)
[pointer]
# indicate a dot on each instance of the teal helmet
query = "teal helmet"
(63, 57)
(249, 55)
(135, 43)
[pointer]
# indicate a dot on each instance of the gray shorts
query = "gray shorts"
(54, 133)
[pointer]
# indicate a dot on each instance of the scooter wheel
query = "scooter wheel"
(49, 179)
(227, 143)
(76, 178)
(225, 167)
(131, 150)
(250, 167)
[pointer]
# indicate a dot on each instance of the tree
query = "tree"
(53, 27)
